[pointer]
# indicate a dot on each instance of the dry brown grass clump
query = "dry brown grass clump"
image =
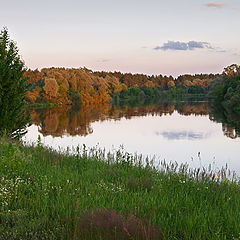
(109, 225)
(143, 183)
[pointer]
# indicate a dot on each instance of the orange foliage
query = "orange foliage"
(33, 76)
(51, 88)
(32, 96)
(54, 84)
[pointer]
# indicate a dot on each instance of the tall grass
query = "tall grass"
(93, 194)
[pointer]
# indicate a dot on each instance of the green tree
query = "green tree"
(13, 88)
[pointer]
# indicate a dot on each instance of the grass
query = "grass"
(92, 194)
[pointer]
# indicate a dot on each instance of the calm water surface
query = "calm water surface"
(182, 133)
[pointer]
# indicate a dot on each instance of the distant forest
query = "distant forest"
(82, 86)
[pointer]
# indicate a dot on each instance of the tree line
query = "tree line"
(75, 86)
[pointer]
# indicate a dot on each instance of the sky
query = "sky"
(140, 36)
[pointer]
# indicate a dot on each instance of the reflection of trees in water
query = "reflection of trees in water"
(60, 121)
(229, 131)
(230, 121)
(201, 109)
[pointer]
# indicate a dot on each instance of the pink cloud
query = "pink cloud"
(215, 4)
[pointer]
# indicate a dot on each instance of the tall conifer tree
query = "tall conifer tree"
(13, 88)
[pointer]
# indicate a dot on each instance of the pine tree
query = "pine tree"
(13, 88)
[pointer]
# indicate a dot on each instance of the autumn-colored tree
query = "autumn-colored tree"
(232, 70)
(51, 88)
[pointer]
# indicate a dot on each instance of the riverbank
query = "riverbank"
(48, 195)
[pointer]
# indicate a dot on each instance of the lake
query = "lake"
(185, 132)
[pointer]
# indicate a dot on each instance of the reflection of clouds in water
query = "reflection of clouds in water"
(180, 135)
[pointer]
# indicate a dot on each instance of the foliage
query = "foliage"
(100, 87)
(226, 90)
(74, 96)
(135, 96)
(13, 88)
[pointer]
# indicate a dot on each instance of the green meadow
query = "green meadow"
(93, 194)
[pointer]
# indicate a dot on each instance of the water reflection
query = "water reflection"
(180, 135)
(62, 121)
(230, 121)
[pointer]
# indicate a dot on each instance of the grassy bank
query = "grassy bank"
(95, 195)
